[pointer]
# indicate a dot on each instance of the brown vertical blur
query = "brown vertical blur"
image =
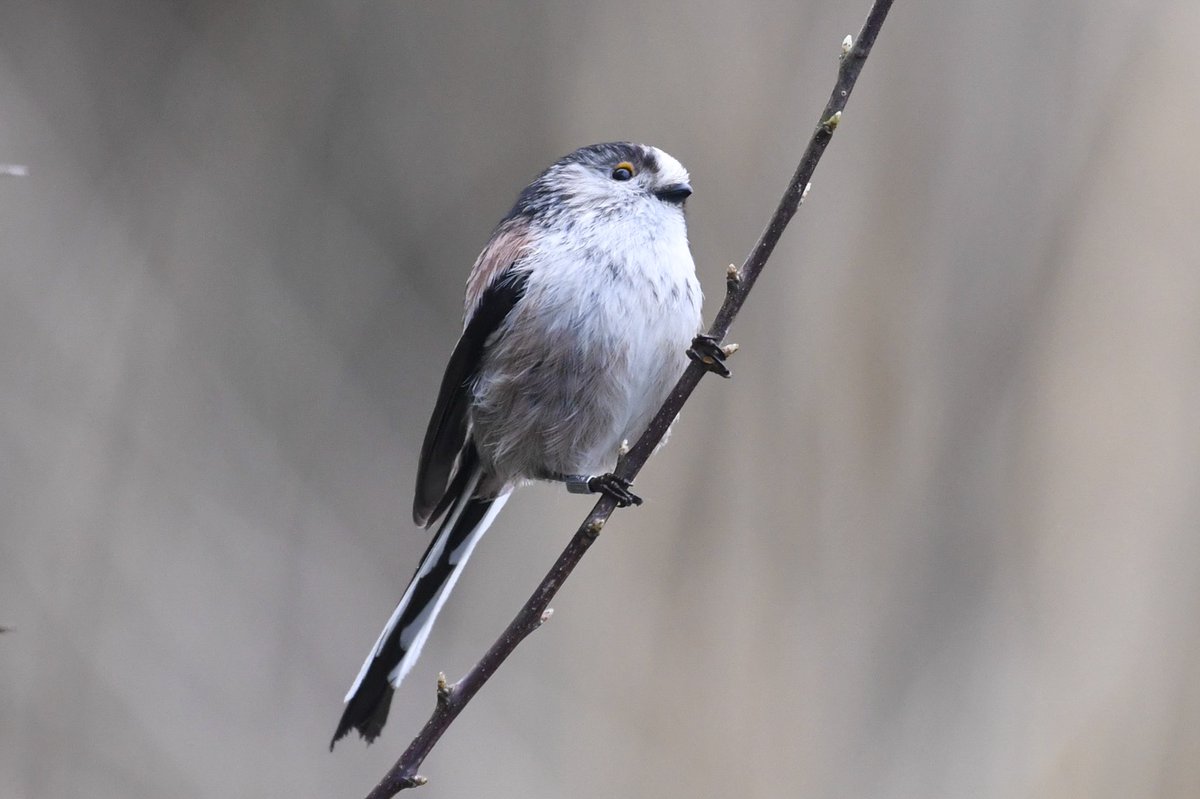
(939, 537)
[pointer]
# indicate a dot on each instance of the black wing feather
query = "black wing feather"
(447, 432)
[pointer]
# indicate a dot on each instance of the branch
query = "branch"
(451, 699)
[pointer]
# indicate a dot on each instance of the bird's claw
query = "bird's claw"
(615, 487)
(706, 350)
(607, 484)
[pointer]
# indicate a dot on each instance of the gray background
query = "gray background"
(938, 537)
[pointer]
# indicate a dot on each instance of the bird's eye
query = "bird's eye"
(623, 171)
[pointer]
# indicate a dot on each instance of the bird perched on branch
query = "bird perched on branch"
(579, 312)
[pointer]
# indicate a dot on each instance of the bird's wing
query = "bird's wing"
(496, 285)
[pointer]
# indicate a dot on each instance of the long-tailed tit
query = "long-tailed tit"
(579, 312)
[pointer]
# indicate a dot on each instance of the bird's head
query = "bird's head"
(606, 179)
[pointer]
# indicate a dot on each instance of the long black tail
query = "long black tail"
(400, 643)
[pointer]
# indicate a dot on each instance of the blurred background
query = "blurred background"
(937, 538)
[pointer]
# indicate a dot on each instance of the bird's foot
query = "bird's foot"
(607, 484)
(707, 351)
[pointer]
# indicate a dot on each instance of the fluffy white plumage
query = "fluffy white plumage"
(579, 313)
(611, 303)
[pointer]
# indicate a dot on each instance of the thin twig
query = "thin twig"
(451, 699)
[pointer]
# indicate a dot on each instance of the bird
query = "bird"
(578, 316)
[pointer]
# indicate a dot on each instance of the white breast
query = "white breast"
(593, 348)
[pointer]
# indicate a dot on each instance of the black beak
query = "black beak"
(674, 194)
